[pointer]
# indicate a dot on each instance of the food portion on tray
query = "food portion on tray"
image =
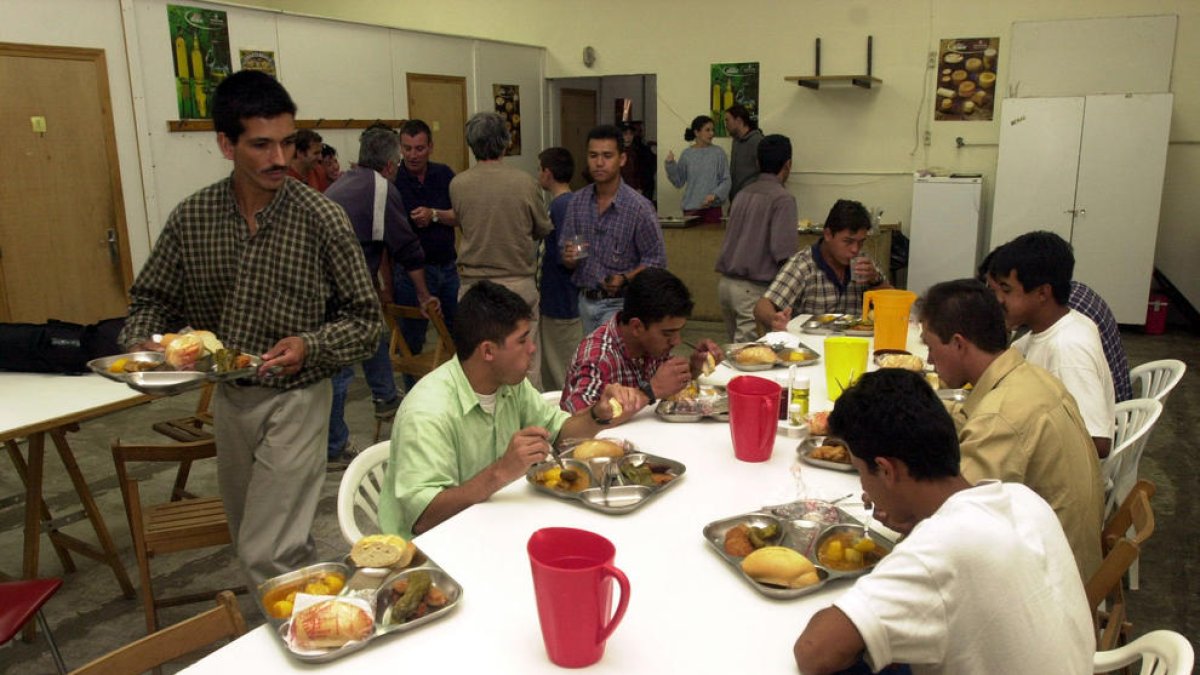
(826, 453)
(188, 360)
(850, 324)
(607, 475)
(757, 356)
(386, 585)
(695, 402)
(794, 549)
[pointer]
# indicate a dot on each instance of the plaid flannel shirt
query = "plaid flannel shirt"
(622, 238)
(1088, 303)
(301, 274)
(809, 286)
(603, 358)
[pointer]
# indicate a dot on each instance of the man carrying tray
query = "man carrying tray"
(476, 423)
(272, 267)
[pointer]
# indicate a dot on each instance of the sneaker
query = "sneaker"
(342, 460)
(387, 409)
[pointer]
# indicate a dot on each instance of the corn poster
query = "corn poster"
(200, 53)
(732, 83)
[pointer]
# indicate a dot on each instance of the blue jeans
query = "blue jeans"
(378, 371)
(594, 313)
(443, 284)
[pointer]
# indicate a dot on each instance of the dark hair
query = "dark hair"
(1039, 258)
(328, 150)
(487, 312)
(416, 127)
(306, 138)
(559, 162)
(773, 152)
(653, 295)
(606, 132)
(246, 94)
(966, 307)
(847, 214)
(895, 413)
(698, 123)
(740, 112)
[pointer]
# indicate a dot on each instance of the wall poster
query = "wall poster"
(508, 106)
(732, 83)
(966, 80)
(258, 59)
(200, 51)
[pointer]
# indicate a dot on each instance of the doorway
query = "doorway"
(441, 101)
(584, 102)
(577, 116)
(64, 253)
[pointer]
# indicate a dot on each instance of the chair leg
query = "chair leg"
(58, 660)
(1133, 576)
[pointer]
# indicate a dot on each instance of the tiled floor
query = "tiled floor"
(89, 617)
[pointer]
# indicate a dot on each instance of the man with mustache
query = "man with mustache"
(273, 268)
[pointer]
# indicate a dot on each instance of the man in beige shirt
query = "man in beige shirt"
(1019, 424)
(502, 217)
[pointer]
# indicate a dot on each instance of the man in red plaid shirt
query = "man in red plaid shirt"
(633, 348)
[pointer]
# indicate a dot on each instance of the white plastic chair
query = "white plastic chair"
(1156, 379)
(1135, 419)
(361, 489)
(1162, 652)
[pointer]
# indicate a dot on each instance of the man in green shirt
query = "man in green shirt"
(476, 424)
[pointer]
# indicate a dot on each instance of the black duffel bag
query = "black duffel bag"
(56, 346)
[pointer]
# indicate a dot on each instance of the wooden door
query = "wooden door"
(441, 101)
(1037, 167)
(64, 253)
(577, 116)
(1122, 161)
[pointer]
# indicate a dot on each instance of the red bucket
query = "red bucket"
(1156, 314)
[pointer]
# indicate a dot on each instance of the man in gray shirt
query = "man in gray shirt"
(760, 237)
(743, 156)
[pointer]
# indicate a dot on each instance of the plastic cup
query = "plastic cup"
(573, 576)
(845, 362)
(753, 417)
(855, 274)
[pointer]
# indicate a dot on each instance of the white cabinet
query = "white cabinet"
(944, 233)
(1091, 170)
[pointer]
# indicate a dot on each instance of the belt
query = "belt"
(600, 293)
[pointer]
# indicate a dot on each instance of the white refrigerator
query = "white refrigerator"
(944, 235)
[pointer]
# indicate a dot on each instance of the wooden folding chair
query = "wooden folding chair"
(224, 621)
(1105, 594)
(193, 428)
(177, 525)
(404, 361)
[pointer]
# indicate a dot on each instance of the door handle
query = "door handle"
(1076, 212)
(113, 254)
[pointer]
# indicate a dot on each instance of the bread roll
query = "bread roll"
(756, 354)
(184, 350)
(329, 624)
(597, 448)
(780, 566)
(382, 550)
(906, 361)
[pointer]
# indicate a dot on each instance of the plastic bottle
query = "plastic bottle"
(800, 392)
(795, 415)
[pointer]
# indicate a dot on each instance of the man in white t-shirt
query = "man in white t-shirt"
(983, 583)
(1031, 276)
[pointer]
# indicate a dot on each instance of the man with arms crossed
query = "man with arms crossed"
(272, 268)
(760, 237)
(818, 279)
(982, 583)
(634, 347)
(619, 226)
(1031, 276)
(1019, 424)
(448, 444)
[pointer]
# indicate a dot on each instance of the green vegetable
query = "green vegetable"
(419, 584)
(638, 475)
(763, 536)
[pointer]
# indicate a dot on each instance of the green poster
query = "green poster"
(200, 53)
(733, 83)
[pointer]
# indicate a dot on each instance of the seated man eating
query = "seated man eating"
(820, 279)
(633, 348)
(476, 424)
(984, 581)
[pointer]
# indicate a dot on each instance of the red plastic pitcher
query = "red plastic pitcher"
(753, 417)
(891, 316)
(573, 577)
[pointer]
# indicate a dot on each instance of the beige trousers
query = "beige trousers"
(560, 339)
(526, 287)
(271, 447)
(737, 298)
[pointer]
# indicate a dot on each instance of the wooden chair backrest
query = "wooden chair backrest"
(402, 357)
(223, 621)
(184, 453)
(1121, 552)
(1141, 519)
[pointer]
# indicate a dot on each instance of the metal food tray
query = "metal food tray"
(376, 593)
(804, 536)
(693, 411)
(618, 497)
(162, 380)
(829, 324)
(809, 444)
(782, 356)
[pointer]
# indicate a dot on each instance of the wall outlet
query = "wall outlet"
(928, 137)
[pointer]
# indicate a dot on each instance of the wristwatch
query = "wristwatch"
(649, 392)
(434, 217)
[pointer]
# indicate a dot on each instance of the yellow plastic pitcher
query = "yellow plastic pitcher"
(891, 316)
(845, 362)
